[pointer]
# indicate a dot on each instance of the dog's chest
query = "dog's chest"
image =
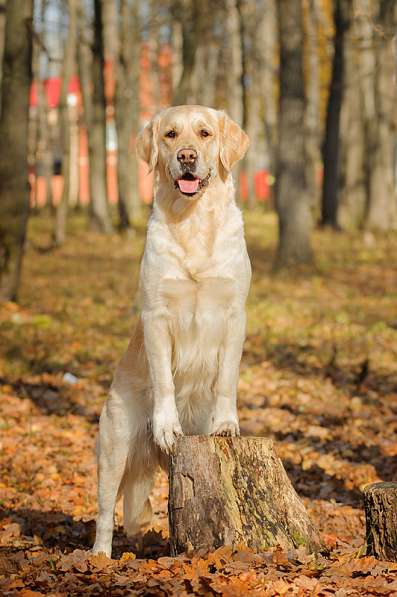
(193, 303)
(198, 313)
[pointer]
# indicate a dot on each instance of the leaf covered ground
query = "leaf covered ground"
(318, 375)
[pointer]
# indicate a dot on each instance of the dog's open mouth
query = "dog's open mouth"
(189, 184)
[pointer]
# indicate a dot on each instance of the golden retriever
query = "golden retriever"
(180, 372)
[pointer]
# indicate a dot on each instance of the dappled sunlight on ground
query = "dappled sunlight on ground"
(318, 376)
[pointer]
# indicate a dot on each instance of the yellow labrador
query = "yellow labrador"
(180, 372)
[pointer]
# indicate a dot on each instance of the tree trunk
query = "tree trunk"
(127, 114)
(185, 14)
(241, 166)
(231, 491)
(232, 73)
(380, 114)
(380, 503)
(154, 53)
(14, 124)
(47, 127)
(352, 192)
(368, 197)
(98, 173)
(250, 162)
(195, 19)
(64, 122)
(292, 198)
(35, 120)
(249, 84)
(176, 52)
(92, 89)
(2, 35)
(268, 81)
(110, 17)
(110, 38)
(43, 154)
(331, 146)
(233, 60)
(206, 69)
(312, 113)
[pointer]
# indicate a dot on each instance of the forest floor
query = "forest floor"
(318, 375)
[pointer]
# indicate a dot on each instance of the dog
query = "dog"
(180, 372)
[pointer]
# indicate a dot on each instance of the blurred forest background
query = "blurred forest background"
(313, 82)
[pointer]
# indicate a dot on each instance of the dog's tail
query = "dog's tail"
(137, 484)
(137, 509)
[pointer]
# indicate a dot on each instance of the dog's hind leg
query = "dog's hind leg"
(113, 448)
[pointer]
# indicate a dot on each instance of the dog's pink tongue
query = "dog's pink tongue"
(188, 186)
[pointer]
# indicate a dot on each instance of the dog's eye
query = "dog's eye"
(171, 134)
(204, 133)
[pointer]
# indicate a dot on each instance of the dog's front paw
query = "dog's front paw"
(102, 548)
(166, 428)
(226, 428)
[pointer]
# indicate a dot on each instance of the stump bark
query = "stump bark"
(380, 503)
(233, 491)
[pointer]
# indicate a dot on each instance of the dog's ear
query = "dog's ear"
(147, 146)
(233, 142)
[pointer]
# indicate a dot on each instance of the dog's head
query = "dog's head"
(190, 146)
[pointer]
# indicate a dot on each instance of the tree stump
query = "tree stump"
(233, 491)
(380, 503)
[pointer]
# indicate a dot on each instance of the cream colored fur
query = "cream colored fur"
(180, 371)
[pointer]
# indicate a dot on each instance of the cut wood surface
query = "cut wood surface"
(380, 502)
(233, 491)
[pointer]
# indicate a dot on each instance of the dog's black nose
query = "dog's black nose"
(187, 156)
